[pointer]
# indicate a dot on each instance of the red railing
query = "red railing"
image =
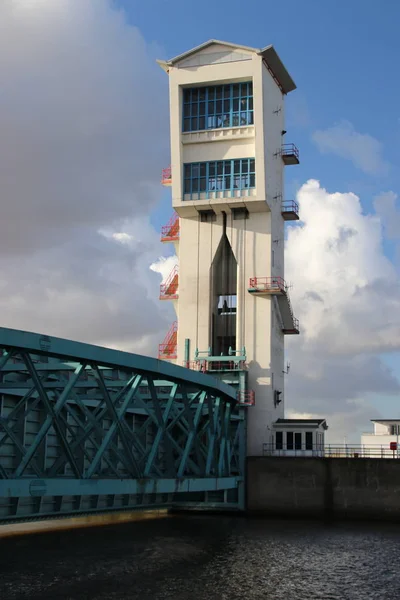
(169, 289)
(290, 150)
(207, 366)
(168, 348)
(290, 206)
(267, 284)
(166, 176)
(170, 232)
(246, 397)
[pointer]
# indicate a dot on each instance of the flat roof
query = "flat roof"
(269, 54)
(384, 420)
(301, 422)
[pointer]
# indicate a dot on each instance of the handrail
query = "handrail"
(289, 150)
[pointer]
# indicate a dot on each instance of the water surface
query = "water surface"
(205, 558)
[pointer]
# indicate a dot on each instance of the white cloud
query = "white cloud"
(84, 134)
(347, 296)
(362, 149)
(164, 266)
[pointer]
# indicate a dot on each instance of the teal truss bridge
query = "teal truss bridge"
(88, 429)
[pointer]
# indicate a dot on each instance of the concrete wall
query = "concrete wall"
(251, 240)
(326, 488)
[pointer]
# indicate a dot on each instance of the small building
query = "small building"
(378, 443)
(297, 437)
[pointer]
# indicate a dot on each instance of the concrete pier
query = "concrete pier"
(324, 488)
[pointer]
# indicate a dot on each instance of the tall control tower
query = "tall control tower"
(228, 153)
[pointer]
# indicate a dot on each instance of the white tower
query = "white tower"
(227, 162)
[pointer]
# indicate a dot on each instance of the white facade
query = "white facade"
(385, 432)
(255, 237)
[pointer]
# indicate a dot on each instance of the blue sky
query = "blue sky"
(343, 57)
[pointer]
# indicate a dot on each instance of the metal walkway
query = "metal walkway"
(85, 429)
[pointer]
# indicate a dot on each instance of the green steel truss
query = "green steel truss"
(85, 428)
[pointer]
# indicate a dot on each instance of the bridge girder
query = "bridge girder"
(85, 428)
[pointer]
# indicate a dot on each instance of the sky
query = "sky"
(85, 134)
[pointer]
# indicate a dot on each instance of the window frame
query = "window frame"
(218, 176)
(218, 106)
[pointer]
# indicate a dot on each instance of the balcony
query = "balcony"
(276, 286)
(168, 349)
(170, 232)
(246, 397)
(267, 286)
(169, 289)
(166, 176)
(290, 154)
(213, 366)
(290, 210)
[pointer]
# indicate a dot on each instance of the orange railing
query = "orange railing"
(267, 284)
(169, 346)
(169, 289)
(170, 232)
(166, 176)
(207, 366)
(246, 397)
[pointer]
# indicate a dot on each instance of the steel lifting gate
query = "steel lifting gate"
(85, 428)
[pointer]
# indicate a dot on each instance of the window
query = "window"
(217, 106)
(394, 429)
(219, 176)
(297, 441)
(279, 440)
(207, 216)
(289, 440)
(309, 440)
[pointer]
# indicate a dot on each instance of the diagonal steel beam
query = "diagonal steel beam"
(222, 465)
(161, 433)
(51, 418)
(192, 434)
(213, 412)
(117, 416)
(75, 417)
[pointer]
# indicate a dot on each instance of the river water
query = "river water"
(205, 558)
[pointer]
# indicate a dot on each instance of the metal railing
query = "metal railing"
(267, 284)
(290, 206)
(207, 366)
(170, 232)
(166, 176)
(290, 150)
(332, 451)
(169, 289)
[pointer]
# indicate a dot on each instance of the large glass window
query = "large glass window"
(218, 106)
(219, 176)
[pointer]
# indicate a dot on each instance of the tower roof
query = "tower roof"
(269, 55)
